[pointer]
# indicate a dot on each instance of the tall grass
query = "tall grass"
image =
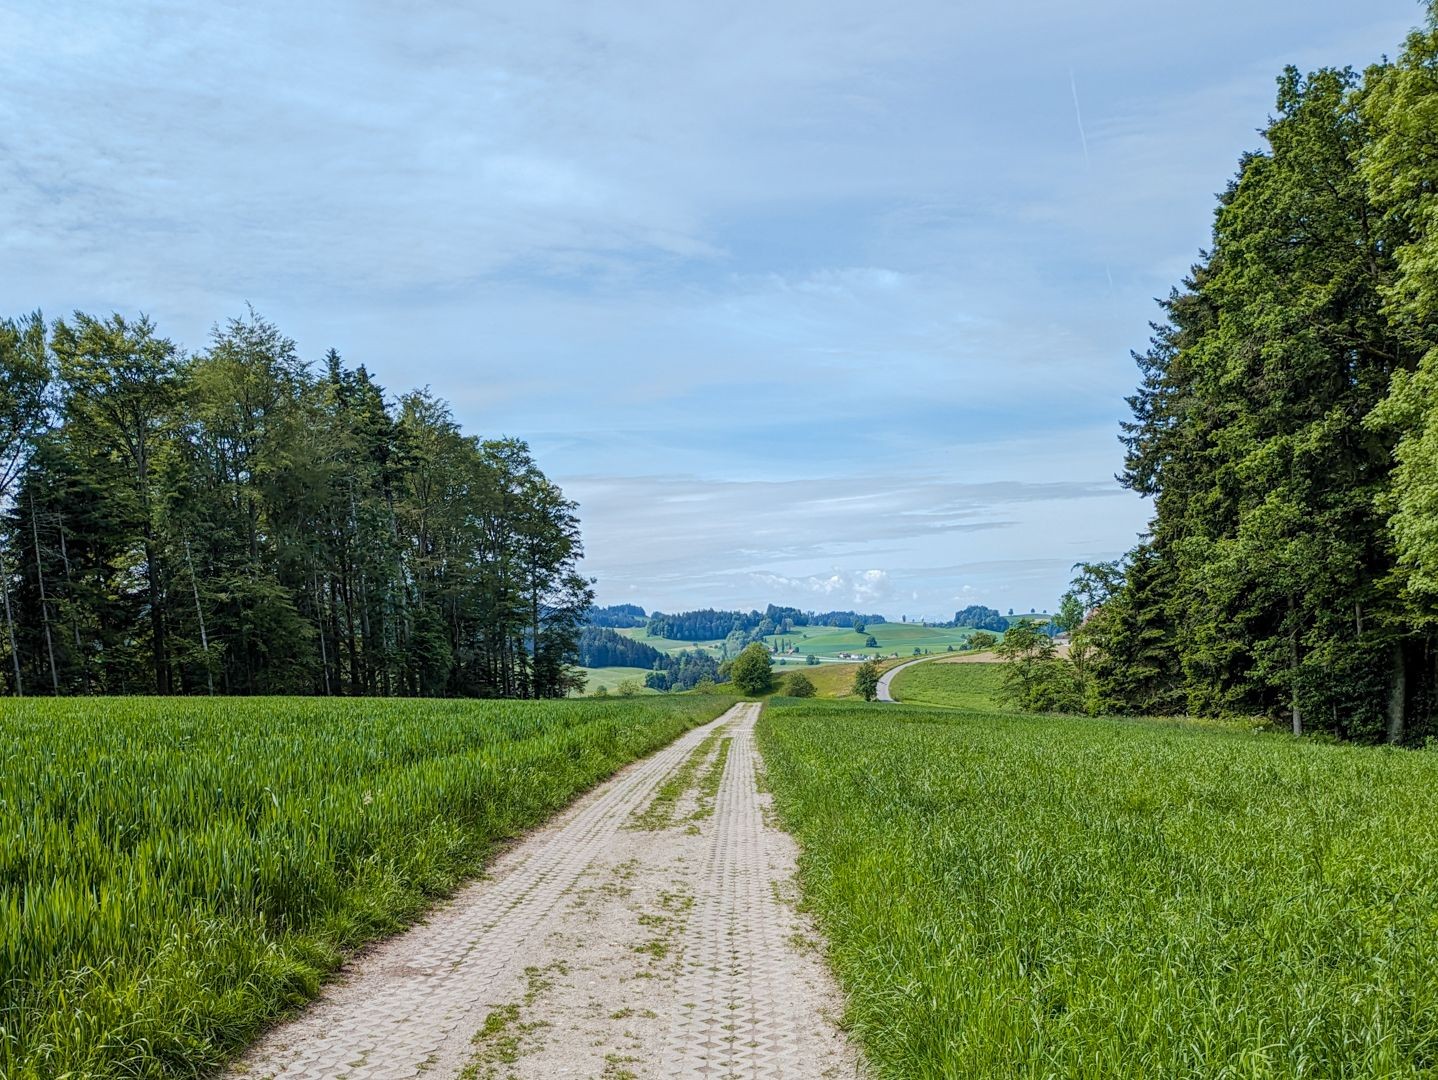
(173, 873)
(1014, 896)
(965, 684)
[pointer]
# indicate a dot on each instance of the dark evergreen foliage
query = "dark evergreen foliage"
(238, 522)
(1284, 427)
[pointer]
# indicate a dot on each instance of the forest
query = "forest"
(1286, 430)
(240, 521)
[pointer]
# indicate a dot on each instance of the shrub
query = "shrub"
(799, 685)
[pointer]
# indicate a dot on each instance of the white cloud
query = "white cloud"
(858, 587)
(772, 256)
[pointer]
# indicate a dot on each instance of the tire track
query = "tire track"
(416, 999)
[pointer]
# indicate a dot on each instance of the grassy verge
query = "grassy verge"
(173, 873)
(961, 685)
(1026, 897)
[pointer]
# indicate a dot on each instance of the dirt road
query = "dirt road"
(648, 932)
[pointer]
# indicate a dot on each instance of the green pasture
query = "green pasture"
(668, 645)
(1014, 896)
(902, 638)
(969, 685)
(610, 677)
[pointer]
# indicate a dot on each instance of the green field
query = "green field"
(963, 685)
(668, 645)
(611, 677)
(903, 638)
(827, 642)
(175, 872)
(1013, 896)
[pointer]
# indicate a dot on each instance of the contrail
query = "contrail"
(1078, 115)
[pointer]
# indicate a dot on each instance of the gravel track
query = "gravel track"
(597, 948)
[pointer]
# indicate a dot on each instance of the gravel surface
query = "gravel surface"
(611, 943)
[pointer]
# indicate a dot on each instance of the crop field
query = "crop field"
(174, 872)
(965, 685)
(1015, 896)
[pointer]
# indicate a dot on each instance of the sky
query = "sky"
(826, 303)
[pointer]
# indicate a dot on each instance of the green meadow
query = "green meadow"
(669, 645)
(609, 678)
(1015, 896)
(968, 685)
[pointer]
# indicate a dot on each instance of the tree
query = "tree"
(25, 371)
(799, 685)
(858, 625)
(628, 688)
(121, 384)
(1035, 677)
(1070, 614)
(751, 672)
(982, 640)
(866, 680)
(812, 660)
(871, 642)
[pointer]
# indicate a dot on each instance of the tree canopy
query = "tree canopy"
(751, 672)
(241, 521)
(1286, 429)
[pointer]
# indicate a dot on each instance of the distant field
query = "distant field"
(830, 680)
(970, 686)
(902, 638)
(611, 677)
(826, 642)
(668, 645)
(176, 872)
(1015, 896)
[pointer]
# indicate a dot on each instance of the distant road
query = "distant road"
(888, 676)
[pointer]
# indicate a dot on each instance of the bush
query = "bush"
(799, 685)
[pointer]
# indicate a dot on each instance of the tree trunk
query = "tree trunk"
(200, 615)
(74, 607)
(10, 629)
(1397, 693)
(1293, 655)
(44, 605)
(320, 620)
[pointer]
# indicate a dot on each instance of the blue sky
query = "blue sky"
(826, 303)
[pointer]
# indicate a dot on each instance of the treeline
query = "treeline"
(600, 646)
(1286, 428)
(621, 616)
(711, 625)
(237, 521)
